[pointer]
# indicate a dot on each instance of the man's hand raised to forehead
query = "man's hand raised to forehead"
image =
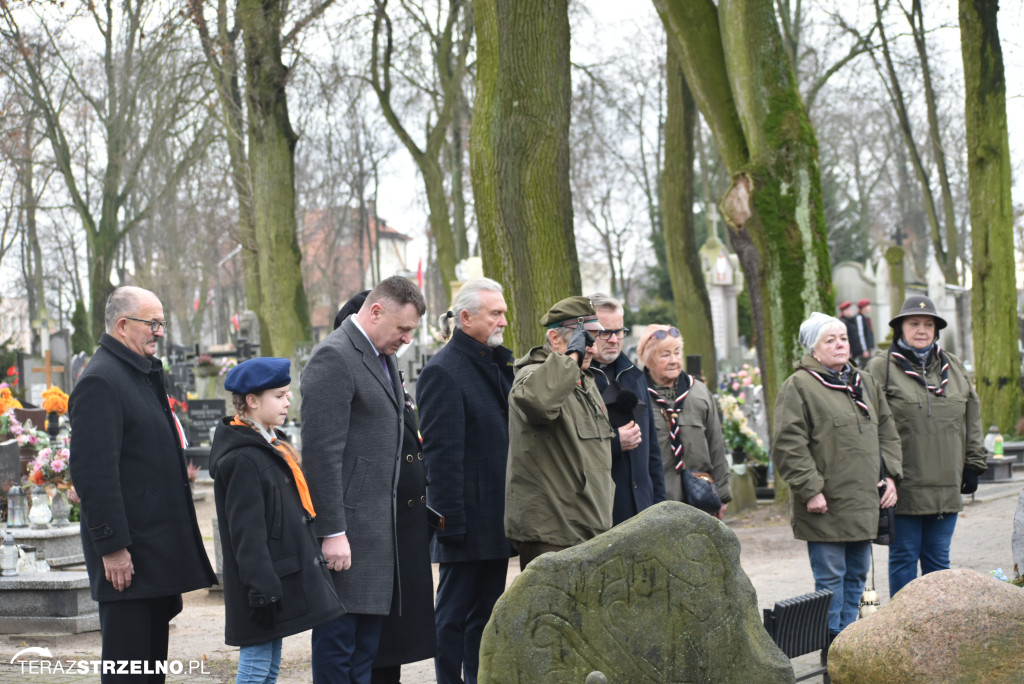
(578, 343)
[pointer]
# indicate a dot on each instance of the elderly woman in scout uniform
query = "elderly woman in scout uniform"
(685, 414)
(831, 423)
(939, 422)
(276, 582)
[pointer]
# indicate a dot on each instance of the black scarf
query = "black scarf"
(847, 380)
(908, 368)
(672, 411)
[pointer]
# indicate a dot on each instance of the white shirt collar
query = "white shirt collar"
(355, 322)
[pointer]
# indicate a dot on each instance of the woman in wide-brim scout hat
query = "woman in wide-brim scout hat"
(939, 420)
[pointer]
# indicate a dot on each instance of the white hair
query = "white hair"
(603, 302)
(466, 299)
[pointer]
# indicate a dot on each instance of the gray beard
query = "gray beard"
(496, 338)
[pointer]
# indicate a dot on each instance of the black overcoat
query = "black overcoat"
(463, 401)
(409, 637)
(271, 553)
(129, 470)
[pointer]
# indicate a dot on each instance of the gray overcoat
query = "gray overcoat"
(351, 442)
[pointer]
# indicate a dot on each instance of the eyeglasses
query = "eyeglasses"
(154, 326)
(662, 334)
(608, 334)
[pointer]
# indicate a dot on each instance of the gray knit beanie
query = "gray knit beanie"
(810, 330)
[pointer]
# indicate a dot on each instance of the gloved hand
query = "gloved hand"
(578, 343)
(265, 616)
(969, 483)
(452, 539)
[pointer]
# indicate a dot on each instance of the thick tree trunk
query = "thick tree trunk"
(693, 308)
(993, 310)
(519, 152)
(736, 65)
(272, 163)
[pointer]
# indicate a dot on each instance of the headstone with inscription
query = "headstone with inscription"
(203, 414)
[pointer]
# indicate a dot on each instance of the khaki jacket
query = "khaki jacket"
(823, 443)
(939, 434)
(559, 485)
(703, 441)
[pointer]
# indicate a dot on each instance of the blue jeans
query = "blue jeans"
(259, 664)
(923, 538)
(841, 567)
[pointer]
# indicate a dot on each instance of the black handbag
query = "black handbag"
(700, 491)
(886, 517)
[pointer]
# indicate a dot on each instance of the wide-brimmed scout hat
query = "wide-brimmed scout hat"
(918, 305)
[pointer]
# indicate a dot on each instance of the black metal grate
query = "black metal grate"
(799, 625)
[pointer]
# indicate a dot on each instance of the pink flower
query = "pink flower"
(17, 429)
(64, 454)
(735, 385)
(58, 466)
(743, 395)
(742, 374)
(44, 455)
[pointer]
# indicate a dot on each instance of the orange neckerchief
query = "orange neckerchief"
(290, 455)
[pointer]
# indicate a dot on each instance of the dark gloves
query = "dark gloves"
(265, 616)
(452, 539)
(969, 483)
(578, 343)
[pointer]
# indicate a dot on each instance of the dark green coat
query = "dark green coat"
(559, 485)
(822, 442)
(939, 434)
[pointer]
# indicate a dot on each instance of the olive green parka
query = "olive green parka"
(823, 443)
(939, 435)
(558, 487)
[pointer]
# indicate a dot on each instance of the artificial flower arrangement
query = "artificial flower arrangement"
(55, 400)
(7, 399)
(738, 433)
(741, 382)
(227, 364)
(50, 466)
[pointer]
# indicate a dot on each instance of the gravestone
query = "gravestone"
(38, 420)
(10, 465)
(658, 598)
(1017, 541)
(204, 414)
(947, 626)
(47, 603)
(62, 546)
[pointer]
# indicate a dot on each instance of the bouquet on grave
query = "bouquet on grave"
(738, 433)
(7, 400)
(55, 400)
(50, 466)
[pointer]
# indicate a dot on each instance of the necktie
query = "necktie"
(384, 365)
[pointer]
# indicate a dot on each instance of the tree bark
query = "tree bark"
(993, 311)
(519, 155)
(693, 308)
(734, 61)
(272, 165)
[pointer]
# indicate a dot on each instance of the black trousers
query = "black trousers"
(136, 630)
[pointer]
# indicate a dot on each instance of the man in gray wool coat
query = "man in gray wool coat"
(352, 412)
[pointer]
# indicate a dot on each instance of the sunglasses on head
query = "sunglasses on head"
(662, 334)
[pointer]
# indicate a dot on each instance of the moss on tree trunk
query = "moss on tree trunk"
(693, 308)
(993, 309)
(519, 154)
(272, 164)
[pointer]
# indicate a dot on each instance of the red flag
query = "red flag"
(234, 321)
(419, 274)
(195, 304)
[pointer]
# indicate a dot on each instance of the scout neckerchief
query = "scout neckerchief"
(908, 368)
(671, 413)
(291, 457)
(854, 388)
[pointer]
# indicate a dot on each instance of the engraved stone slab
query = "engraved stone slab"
(659, 598)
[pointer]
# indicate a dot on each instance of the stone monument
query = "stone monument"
(1017, 542)
(659, 598)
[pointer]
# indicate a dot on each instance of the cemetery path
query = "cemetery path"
(776, 564)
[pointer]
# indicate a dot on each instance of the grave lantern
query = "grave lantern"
(17, 507)
(40, 515)
(8, 556)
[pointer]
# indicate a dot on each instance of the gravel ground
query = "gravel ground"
(776, 564)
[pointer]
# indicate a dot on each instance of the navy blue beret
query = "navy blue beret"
(256, 375)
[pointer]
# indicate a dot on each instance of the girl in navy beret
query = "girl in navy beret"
(276, 582)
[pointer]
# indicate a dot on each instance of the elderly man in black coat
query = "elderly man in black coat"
(140, 536)
(636, 459)
(463, 396)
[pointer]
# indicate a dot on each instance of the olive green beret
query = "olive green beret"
(568, 310)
